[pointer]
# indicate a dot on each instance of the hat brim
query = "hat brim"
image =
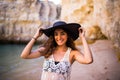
(71, 28)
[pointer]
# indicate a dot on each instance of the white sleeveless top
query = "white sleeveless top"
(59, 71)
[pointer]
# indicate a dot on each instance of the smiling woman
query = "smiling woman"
(60, 37)
(59, 51)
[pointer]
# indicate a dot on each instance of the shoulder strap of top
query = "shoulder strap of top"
(66, 57)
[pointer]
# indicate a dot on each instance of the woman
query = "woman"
(59, 50)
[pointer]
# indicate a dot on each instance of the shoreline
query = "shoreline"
(104, 67)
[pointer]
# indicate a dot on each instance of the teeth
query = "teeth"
(60, 41)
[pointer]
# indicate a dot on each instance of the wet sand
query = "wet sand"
(104, 67)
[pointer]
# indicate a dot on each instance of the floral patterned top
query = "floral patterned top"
(59, 71)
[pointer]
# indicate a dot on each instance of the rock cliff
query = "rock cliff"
(19, 19)
(98, 17)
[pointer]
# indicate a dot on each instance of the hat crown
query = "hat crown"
(59, 23)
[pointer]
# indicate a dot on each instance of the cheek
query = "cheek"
(55, 37)
(65, 37)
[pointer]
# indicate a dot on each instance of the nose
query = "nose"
(59, 37)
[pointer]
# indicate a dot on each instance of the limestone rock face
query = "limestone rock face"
(94, 14)
(107, 16)
(19, 19)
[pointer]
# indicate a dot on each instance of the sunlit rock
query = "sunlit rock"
(104, 14)
(19, 19)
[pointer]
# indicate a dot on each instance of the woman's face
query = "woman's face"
(60, 37)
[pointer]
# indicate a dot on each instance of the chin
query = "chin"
(60, 44)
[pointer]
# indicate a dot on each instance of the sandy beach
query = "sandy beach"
(104, 67)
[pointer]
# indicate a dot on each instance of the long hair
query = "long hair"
(50, 45)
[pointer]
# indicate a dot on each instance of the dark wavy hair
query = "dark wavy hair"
(51, 44)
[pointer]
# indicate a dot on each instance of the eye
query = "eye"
(55, 34)
(62, 33)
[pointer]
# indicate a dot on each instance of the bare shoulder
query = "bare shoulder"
(41, 50)
(73, 52)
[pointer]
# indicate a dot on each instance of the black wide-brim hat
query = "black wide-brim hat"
(70, 28)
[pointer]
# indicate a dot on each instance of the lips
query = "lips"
(60, 41)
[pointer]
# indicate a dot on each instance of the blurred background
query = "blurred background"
(19, 20)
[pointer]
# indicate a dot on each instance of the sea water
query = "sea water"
(12, 67)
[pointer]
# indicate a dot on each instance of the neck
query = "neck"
(62, 48)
